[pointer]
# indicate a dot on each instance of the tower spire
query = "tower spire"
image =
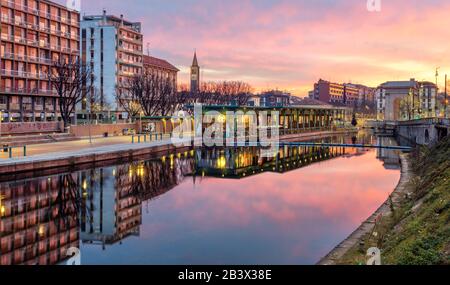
(195, 61)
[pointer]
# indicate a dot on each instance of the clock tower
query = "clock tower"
(195, 75)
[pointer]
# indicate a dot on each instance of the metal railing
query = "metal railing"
(21, 151)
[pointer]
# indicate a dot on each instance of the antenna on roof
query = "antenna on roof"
(148, 49)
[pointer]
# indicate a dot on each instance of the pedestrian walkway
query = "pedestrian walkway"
(84, 144)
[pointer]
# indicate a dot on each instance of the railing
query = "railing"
(20, 73)
(143, 138)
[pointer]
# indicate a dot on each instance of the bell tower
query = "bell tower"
(195, 75)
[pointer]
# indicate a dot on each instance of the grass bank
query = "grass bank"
(417, 229)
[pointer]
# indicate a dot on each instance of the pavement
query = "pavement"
(69, 146)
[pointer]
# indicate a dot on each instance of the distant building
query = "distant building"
(195, 75)
(335, 93)
(112, 47)
(406, 100)
(254, 101)
(275, 98)
(366, 95)
(161, 69)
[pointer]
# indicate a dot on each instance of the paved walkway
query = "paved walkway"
(84, 144)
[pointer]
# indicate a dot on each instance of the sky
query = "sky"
(290, 44)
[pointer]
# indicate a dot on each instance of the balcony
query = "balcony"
(6, 37)
(7, 19)
(24, 8)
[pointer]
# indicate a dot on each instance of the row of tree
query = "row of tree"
(143, 93)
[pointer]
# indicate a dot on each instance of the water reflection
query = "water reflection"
(204, 217)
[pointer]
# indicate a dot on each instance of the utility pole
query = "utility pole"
(436, 111)
(445, 98)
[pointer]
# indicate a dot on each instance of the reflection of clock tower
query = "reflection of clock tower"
(195, 75)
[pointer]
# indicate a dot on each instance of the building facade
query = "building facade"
(195, 75)
(34, 34)
(335, 93)
(406, 100)
(161, 69)
(113, 48)
(275, 98)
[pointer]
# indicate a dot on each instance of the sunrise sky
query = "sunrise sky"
(290, 44)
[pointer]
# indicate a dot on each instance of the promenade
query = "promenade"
(69, 153)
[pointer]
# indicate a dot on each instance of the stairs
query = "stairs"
(17, 141)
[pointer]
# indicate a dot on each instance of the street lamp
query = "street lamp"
(140, 121)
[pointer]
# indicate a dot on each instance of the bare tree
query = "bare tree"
(72, 81)
(222, 93)
(128, 93)
(150, 94)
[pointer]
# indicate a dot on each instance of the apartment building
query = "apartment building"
(406, 100)
(161, 69)
(34, 33)
(335, 93)
(113, 48)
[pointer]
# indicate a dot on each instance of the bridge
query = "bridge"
(420, 132)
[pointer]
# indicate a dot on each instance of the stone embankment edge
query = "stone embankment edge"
(368, 226)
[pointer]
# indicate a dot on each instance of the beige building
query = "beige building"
(406, 100)
(161, 69)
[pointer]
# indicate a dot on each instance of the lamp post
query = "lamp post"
(445, 98)
(140, 121)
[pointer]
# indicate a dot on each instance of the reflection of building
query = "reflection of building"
(113, 48)
(33, 35)
(406, 100)
(38, 221)
(112, 211)
(390, 157)
(244, 162)
(113, 196)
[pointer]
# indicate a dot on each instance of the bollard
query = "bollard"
(132, 139)
(24, 150)
(10, 152)
(139, 138)
(145, 138)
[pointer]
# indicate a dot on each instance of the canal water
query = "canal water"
(203, 206)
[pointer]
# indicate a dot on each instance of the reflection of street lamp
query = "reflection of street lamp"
(2, 208)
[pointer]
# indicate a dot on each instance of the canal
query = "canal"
(202, 206)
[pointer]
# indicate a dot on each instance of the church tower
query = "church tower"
(195, 75)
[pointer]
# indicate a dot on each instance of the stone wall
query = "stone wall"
(101, 129)
(30, 128)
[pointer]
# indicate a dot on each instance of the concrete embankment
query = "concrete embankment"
(117, 152)
(368, 226)
(85, 156)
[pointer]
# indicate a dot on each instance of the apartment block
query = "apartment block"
(34, 33)
(161, 69)
(335, 93)
(406, 100)
(113, 48)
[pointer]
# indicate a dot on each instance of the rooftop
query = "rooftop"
(157, 62)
